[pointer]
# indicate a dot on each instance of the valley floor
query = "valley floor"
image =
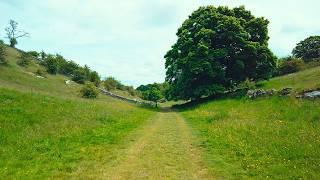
(163, 149)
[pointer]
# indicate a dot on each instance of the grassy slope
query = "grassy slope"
(264, 138)
(46, 130)
(307, 79)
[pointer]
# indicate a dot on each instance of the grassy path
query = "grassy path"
(163, 150)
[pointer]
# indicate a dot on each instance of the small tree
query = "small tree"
(2, 53)
(89, 91)
(153, 95)
(24, 60)
(50, 62)
(308, 48)
(13, 33)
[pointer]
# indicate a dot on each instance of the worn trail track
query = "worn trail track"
(163, 149)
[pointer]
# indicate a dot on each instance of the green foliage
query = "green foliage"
(94, 78)
(308, 48)
(79, 76)
(68, 67)
(153, 95)
(58, 64)
(89, 91)
(110, 83)
(25, 59)
(247, 84)
(51, 64)
(217, 48)
(13, 42)
(291, 66)
(162, 87)
(3, 59)
(33, 54)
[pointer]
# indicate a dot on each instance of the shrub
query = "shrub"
(79, 76)
(40, 72)
(2, 54)
(34, 54)
(24, 60)
(111, 83)
(89, 91)
(287, 67)
(51, 64)
(247, 84)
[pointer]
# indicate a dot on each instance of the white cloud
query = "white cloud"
(128, 39)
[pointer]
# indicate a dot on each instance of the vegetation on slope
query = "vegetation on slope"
(307, 79)
(277, 137)
(47, 130)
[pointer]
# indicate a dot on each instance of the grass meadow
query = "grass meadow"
(45, 136)
(269, 137)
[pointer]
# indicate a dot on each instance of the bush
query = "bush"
(40, 72)
(287, 67)
(89, 91)
(2, 54)
(79, 76)
(24, 60)
(51, 63)
(111, 83)
(33, 54)
(247, 84)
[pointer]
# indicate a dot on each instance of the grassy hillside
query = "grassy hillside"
(13, 76)
(48, 131)
(307, 79)
(264, 138)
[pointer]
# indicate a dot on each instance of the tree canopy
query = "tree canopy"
(216, 49)
(308, 48)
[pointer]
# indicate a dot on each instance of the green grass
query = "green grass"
(272, 137)
(277, 138)
(307, 79)
(48, 131)
(44, 136)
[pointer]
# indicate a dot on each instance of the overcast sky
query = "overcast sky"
(127, 39)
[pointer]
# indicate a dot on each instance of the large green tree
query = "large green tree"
(308, 48)
(216, 49)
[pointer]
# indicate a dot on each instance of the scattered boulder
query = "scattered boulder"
(310, 94)
(285, 91)
(41, 77)
(313, 94)
(252, 94)
(271, 92)
(68, 82)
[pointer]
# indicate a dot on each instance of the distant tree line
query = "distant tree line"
(57, 64)
(305, 55)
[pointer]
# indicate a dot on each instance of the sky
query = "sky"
(127, 39)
